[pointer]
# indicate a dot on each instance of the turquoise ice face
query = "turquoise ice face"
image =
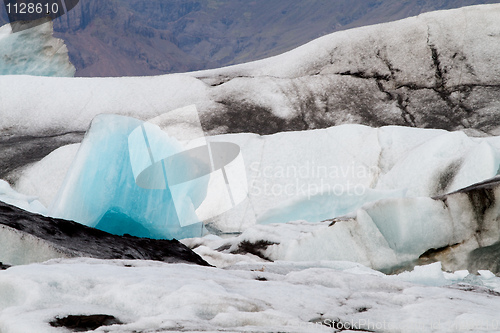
(101, 191)
(133, 177)
(159, 163)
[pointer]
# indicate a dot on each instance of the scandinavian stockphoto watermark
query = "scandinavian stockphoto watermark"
(310, 179)
(172, 153)
(420, 326)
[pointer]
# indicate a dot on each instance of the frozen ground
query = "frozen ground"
(247, 297)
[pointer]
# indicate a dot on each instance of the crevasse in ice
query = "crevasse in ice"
(100, 189)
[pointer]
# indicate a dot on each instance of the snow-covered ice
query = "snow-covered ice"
(26, 202)
(332, 171)
(372, 198)
(44, 178)
(253, 297)
(385, 181)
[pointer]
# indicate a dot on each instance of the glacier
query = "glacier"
(378, 75)
(382, 197)
(327, 212)
(318, 85)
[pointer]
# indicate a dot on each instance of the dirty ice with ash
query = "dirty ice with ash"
(371, 164)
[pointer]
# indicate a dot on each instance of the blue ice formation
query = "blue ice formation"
(33, 51)
(324, 206)
(101, 190)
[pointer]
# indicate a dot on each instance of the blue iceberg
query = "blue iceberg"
(102, 188)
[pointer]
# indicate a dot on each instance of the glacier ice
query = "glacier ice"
(317, 85)
(318, 207)
(33, 52)
(332, 172)
(44, 178)
(391, 234)
(257, 297)
(395, 185)
(26, 202)
(100, 189)
(201, 162)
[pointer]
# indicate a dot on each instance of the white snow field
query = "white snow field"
(254, 297)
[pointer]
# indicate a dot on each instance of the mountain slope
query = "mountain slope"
(136, 37)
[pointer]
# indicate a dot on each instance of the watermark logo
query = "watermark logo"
(309, 179)
(171, 152)
(25, 14)
(422, 326)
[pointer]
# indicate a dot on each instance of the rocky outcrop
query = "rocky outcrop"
(135, 37)
(27, 237)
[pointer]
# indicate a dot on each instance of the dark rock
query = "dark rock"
(83, 323)
(487, 257)
(72, 239)
(256, 248)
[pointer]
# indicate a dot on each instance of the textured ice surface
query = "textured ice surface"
(358, 76)
(389, 234)
(320, 174)
(252, 297)
(53, 107)
(100, 189)
(44, 178)
(26, 202)
(384, 180)
(33, 52)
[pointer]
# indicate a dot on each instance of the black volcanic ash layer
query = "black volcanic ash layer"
(76, 240)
